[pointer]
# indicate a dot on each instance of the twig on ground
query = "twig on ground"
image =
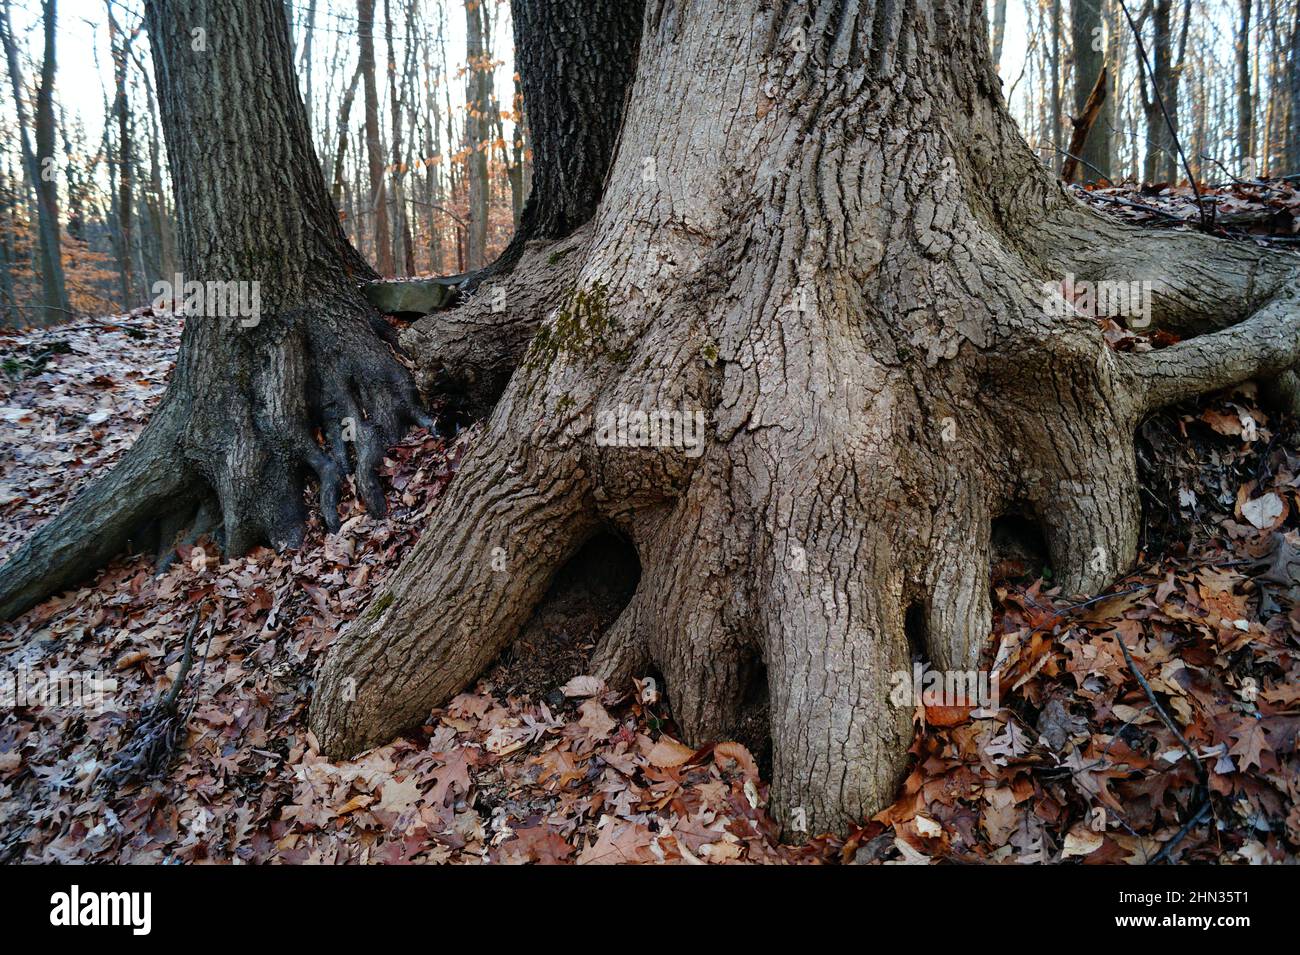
(1197, 818)
(152, 741)
(1201, 773)
(1160, 710)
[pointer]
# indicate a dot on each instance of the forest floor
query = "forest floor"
(1079, 761)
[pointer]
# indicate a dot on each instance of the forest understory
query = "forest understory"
(1182, 748)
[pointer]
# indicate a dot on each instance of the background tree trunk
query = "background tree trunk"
(1245, 102)
(1159, 144)
(576, 62)
(1058, 141)
(1173, 170)
(119, 45)
(1086, 36)
(477, 130)
(999, 30)
(1293, 128)
(402, 230)
(40, 164)
(378, 205)
(341, 150)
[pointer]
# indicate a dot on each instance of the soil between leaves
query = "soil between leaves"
(517, 772)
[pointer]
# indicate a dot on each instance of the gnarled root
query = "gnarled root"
(802, 541)
(469, 353)
(872, 342)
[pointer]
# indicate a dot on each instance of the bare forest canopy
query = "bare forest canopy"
(413, 102)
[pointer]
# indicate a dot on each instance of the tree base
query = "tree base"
(250, 415)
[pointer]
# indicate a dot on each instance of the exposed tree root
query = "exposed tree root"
(94, 528)
(469, 353)
(520, 512)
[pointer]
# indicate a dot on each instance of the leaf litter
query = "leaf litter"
(1076, 764)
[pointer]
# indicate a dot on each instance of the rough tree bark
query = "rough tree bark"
(840, 257)
(234, 437)
(576, 61)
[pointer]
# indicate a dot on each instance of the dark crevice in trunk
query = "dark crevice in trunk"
(917, 631)
(754, 726)
(1018, 546)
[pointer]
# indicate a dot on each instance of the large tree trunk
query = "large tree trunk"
(234, 436)
(822, 231)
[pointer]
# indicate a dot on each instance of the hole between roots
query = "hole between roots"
(1018, 549)
(585, 598)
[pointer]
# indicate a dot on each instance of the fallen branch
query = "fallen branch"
(1188, 826)
(153, 740)
(1201, 773)
(1160, 710)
